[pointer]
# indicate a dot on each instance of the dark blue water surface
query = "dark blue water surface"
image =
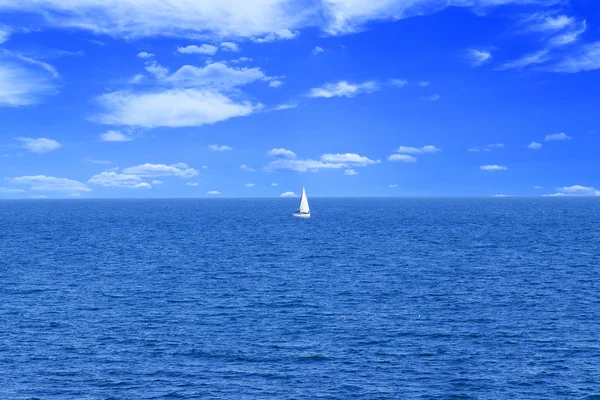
(237, 299)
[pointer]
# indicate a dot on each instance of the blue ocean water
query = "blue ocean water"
(236, 299)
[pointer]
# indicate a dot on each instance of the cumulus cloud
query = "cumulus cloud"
(575, 190)
(275, 83)
(249, 185)
(417, 150)
(51, 183)
(493, 168)
(180, 170)
(402, 158)
(113, 179)
(280, 34)
(230, 46)
(281, 152)
(216, 147)
(39, 145)
(343, 89)
(246, 168)
(193, 49)
(534, 146)
(350, 172)
(348, 158)
(288, 194)
(213, 75)
(114, 136)
(145, 55)
(213, 192)
(557, 136)
(169, 108)
(317, 50)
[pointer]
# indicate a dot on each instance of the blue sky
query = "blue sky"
(148, 98)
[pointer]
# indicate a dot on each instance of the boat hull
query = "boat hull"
(301, 215)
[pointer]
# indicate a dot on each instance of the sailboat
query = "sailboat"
(303, 209)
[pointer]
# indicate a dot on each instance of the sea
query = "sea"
(404, 298)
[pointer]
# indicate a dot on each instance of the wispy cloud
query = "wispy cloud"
(327, 161)
(39, 145)
(280, 34)
(350, 172)
(343, 89)
(393, 185)
(22, 86)
(51, 183)
(249, 185)
(4, 189)
(317, 50)
(433, 97)
(145, 55)
(193, 184)
(213, 192)
(417, 150)
(478, 57)
(493, 168)
(348, 158)
(576, 190)
(90, 160)
(216, 147)
(398, 82)
(114, 136)
(402, 158)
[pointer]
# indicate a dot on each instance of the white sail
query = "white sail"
(303, 208)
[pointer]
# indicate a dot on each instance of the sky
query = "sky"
(258, 98)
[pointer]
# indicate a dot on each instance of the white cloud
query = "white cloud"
(317, 50)
(538, 187)
(213, 75)
(216, 147)
(181, 170)
(393, 185)
(557, 136)
(493, 168)
(41, 196)
(241, 60)
(113, 179)
(576, 190)
(348, 158)
(288, 194)
(280, 34)
(281, 152)
(144, 54)
(538, 57)
(350, 172)
(193, 49)
(473, 149)
(285, 106)
(424, 83)
(214, 192)
(479, 57)
(418, 150)
(96, 161)
(586, 58)
(398, 82)
(246, 168)
(231, 18)
(488, 147)
(230, 46)
(402, 158)
(51, 183)
(10, 190)
(170, 108)
(274, 184)
(114, 136)
(194, 184)
(156, 182)
(39, 145)
(22, 86)
(534, 145)
(301, 165)
(343, 88)
(4, 35)
(275, 83)
(433, 97)
(545, 22)
(249, 185)
(495, 146)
